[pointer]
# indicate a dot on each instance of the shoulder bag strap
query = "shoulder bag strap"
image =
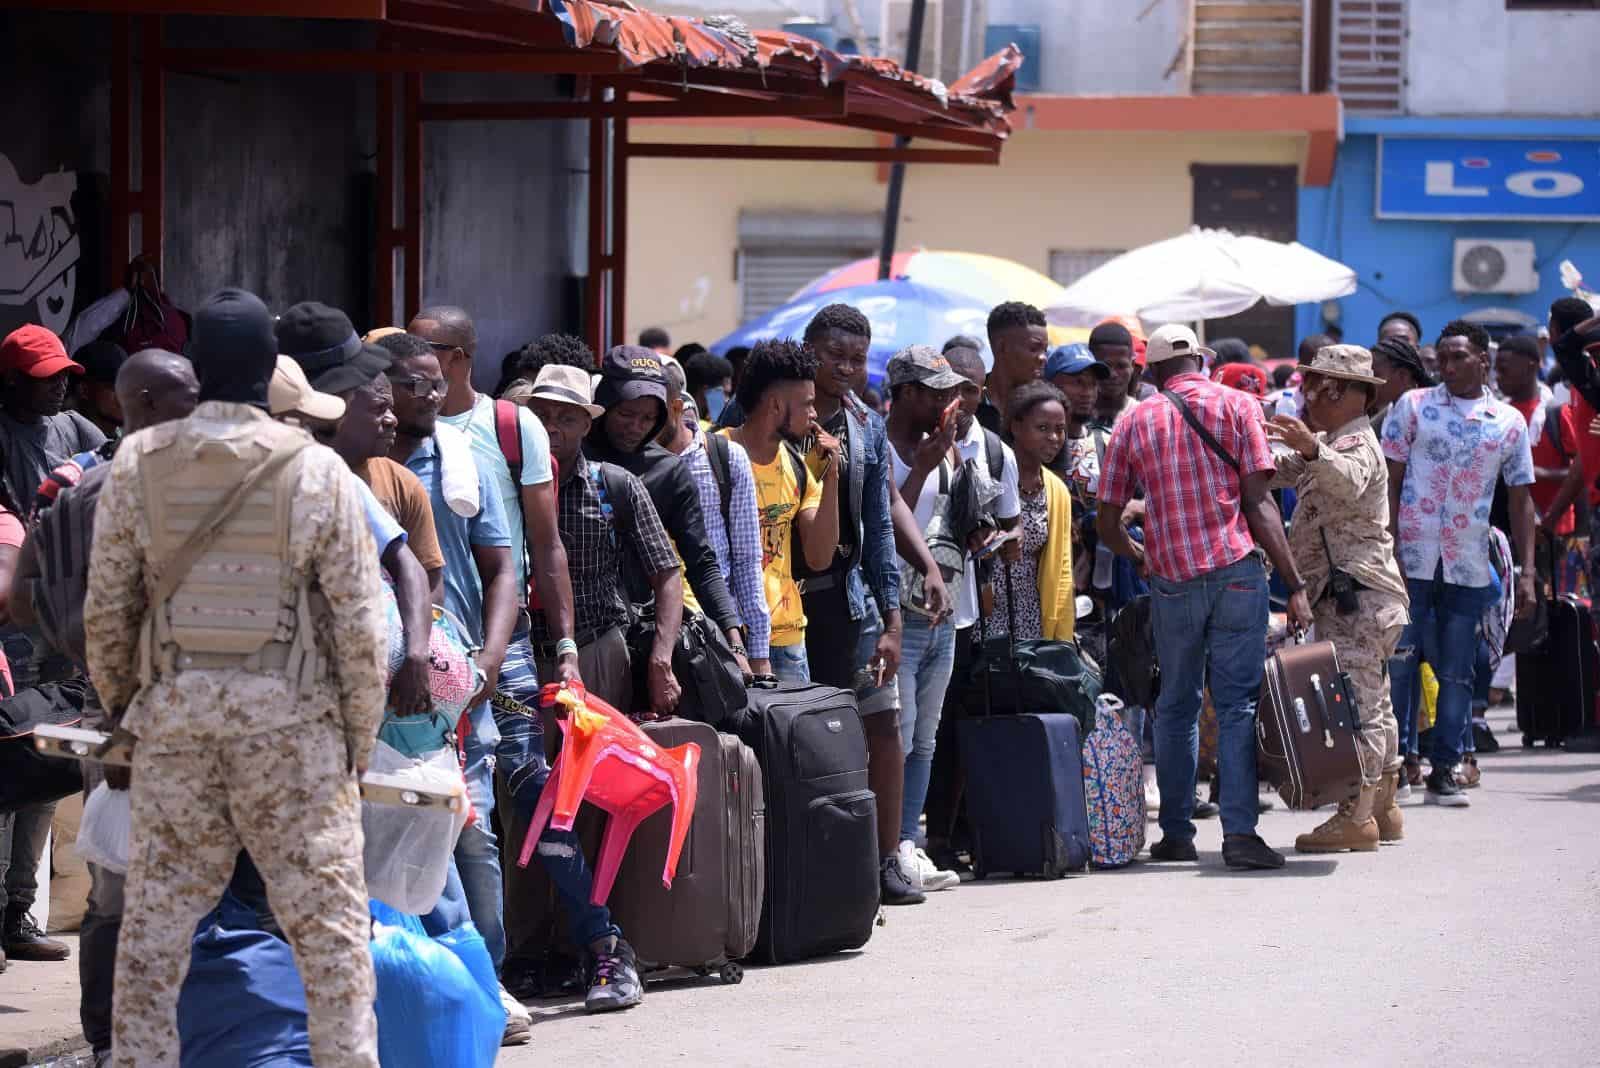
(717, 451)
(171, 572)
(1199, 428)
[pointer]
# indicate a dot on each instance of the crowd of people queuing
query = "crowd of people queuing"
(766, 492)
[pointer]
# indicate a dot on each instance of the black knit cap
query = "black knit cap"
(233, 348)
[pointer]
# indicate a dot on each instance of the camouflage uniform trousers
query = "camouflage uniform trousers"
(285, 795)
(1365, 641)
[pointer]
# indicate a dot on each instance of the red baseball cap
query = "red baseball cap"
(1245, 377)
(36, 352)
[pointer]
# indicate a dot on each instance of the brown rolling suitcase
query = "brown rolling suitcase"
(1306, 727)
(709, 919)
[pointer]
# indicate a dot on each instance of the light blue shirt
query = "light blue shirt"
(478, 425)
(463, 589)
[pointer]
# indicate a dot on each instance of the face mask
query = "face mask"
(716, 400)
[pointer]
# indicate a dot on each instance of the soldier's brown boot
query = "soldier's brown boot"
(1352, 828)
(1391, 824)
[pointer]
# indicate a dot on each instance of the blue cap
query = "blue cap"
(1073, 359)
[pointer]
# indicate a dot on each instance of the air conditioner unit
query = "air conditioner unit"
(895, 27)
(1491, 265)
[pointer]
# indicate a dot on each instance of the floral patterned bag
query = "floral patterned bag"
(1113, 788)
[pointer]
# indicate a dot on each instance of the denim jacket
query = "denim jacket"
(869, 475)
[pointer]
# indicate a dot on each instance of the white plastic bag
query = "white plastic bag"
(407, 853)
(105, 829)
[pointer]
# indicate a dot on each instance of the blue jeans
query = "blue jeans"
(1209, 630)
(1444, 631)
(522, 761)
(927, 656)
(789, 663)
(477, 861)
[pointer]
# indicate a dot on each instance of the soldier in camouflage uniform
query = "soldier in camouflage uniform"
(249, 668)
(1341, 521)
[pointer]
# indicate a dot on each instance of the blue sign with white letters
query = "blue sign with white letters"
(1541, 179)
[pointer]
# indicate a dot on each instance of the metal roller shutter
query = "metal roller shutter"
(781, 252)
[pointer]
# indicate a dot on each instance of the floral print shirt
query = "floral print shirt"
(1454, 449)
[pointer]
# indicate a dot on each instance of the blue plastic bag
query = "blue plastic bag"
(242, 1003)
(438, 999)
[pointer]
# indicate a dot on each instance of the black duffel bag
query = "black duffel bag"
(1034, 675)
(27, 776)
(704, 664)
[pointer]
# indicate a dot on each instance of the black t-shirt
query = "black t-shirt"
(839, 427)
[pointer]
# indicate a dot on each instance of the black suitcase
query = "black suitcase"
(822, 821)
(1557, 681)
(1025, 795)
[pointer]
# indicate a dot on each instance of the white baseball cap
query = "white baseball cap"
(1174, 341)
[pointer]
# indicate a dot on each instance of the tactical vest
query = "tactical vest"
(223, 593)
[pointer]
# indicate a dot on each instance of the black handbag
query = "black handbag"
(1131, 652)
(27, 776)
(1034, 675)
(703, 663)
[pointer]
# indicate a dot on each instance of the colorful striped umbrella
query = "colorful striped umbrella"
(901, 313)
(983, 279)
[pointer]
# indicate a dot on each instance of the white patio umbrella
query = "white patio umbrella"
(1203, 274)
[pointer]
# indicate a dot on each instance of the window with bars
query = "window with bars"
(1067, 265)
(1367, 67)
(1553, 5)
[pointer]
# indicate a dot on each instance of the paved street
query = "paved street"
(1471, 943)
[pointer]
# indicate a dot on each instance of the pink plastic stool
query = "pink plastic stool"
(608, 761)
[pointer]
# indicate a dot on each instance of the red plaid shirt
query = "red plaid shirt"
(1193, 520)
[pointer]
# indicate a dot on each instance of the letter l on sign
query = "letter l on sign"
(1441, 182)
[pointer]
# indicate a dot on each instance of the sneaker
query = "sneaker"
(24, 941)
(1443, 790)
(899, 887)
(613, 979)
(1247, 852)
(1152, 793)
(1467, 773)
(950, 860)
(925, 872)
(1403, 791)
(1174, 849)
(1205, 810)
(519, 1021)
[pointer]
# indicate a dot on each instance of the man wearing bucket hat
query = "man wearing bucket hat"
(1199, 452)
(1340, 539)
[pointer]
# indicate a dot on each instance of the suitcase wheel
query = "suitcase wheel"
(1527, 741)
(731, 973)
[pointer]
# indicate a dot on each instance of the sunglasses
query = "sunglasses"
(420, 387)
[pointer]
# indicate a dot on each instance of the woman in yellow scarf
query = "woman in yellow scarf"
(1040, 577)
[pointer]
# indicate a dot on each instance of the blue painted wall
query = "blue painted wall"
(1405, 263)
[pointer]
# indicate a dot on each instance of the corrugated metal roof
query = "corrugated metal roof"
(979, 101)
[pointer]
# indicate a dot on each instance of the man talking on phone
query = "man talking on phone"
(778, 395)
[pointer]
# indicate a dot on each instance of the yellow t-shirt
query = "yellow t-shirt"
(778, 502)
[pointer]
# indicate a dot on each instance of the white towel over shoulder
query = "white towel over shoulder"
(458, 471)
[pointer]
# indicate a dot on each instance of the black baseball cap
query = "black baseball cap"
(317, 336)
(368, 362)
(630, 371)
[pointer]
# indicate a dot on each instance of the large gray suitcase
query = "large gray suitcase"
(709, 919)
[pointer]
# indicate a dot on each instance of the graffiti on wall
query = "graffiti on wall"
(39, 249)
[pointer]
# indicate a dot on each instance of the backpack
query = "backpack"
(1113, 788)
(508, 432)
(994, 454)
(1552, 430)
(62, 540)
(616, 503)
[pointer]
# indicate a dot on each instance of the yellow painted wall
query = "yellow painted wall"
(1052, 190)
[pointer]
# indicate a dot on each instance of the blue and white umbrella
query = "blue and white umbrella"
(901, 313)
